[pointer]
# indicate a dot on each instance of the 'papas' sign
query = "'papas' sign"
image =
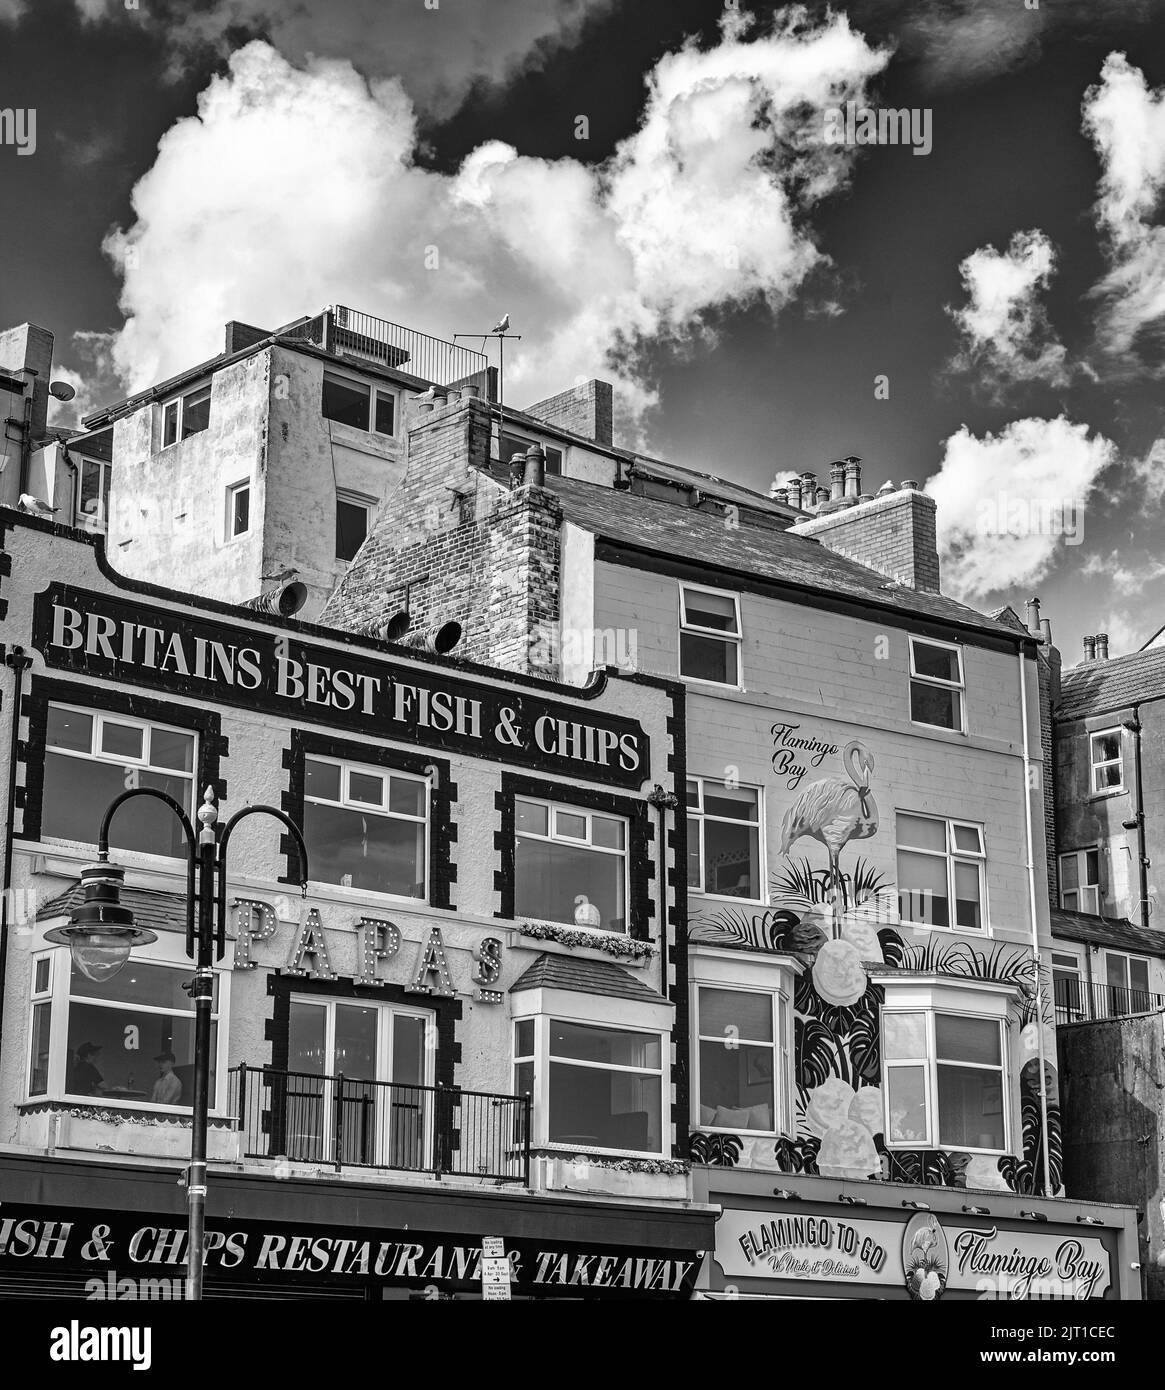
(174, 651)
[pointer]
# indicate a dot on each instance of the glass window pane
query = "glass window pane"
(734, 1014)
(607, 831)
(921, 832)
(1069, 873)
(575, 827)
(1138, 975)
(922, 889)
(127, 1041)
(731, 859)
(321, 779)
(524, 1038)
(693, 794)
(92, 497)
(531, 818)
(616, 1046)
(68, 729)
(1091, 866)
(77, 792)
(936, 662)
(904, 1035)
(122, 740)
(968, 908)
(1106, 748)
(408, 1050)
(43, 975)
(140, 982)
(736, 1086)
(385, 412)
(406, 798)
(306, 1035)
(354, 1046)
(195, 412)
(351, 528)
(172, 750)
(935, 705)
(550, 877)
(38, 1075)
(366, 787)
(1116, 970)
(906, 1104)
(961, 1039)
(732, 803)
(970, 1108)
(967, 837)
(1108, 776)
(240, 517)
(708, 659)
(717, 611)
(602, 1109)
(346, 402)
(169, 424)
(524, 1078)
(361, 850)
(695, 852)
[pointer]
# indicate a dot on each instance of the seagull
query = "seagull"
(28, 503)
(281, 576)
(502, 326)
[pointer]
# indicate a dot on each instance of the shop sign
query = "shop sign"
(925, 1255)
(270, 671)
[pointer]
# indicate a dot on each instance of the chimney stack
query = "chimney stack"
(853, 476)
(794, 491)
(808, 491)
(1102, 646)
(836, 481)
(535, 473)
(822, 497)
(1046, 630)
(1033, 616)
(780, 494)
(1090, 649)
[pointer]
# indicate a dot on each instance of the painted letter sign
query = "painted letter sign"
(264, 669)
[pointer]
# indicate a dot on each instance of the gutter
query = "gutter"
(1134, 726)
(18, 661)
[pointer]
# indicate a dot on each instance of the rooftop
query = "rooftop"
(1107, 931)
(584, 977)
(151, 908)
(1101, 685)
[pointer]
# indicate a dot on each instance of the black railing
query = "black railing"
(433, 361)
(1078, 1002)
(301, 1117)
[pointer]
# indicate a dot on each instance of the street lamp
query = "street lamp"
(101, 935)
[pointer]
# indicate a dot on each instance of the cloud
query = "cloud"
(12, 10)
(294, 188)
(1006, 333)
(1009, 502)
(94, 380)
(1125, 120)
(1126, 631)
(1124, 575)
(1147, 477)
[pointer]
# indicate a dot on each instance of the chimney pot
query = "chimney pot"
(781, 494)
(1046, 630)
(1102, 646)
(822, 496)
(886, 487)
(853, 476)
(908, 485)
(836, 481)
(795, 493)
(1090, 649)
(535, 475)
(1033, 615)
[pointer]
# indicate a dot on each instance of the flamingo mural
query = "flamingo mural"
(834, 812)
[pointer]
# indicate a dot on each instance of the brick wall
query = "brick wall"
(586, 409)
(895, 535)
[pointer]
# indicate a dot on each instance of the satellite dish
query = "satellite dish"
(61, 391)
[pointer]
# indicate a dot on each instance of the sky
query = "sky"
(667, 194)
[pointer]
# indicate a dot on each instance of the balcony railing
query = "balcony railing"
(302, 1117)
(433, 361)
(1078, 1002)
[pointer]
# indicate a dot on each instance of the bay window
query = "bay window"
(743, 1052)
(709, 635)
(941, 872)
(937, 686)
(91, 758)
(570, 865)
(724, 839)
(366, 827)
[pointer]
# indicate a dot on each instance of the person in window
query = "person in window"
(168, 1088)
(84, 1078)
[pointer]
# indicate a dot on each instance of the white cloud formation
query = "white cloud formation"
(1125, 120)
(1005, 329)
(1126, 631)
(294, 188)
(1008, 503)
(1127, 576)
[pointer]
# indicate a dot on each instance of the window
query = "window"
(709, 635)
(936, 684)
(353, 515)
(724, 839)
(1108, 773)
(1067, 988)
(382, 1116)
(945, 1080)
(941, 863)
(129, 1040)
(366, 827)
(510, 444)
(742, 1060)
(1080, 881)
(570, 865)
(1127, 978)
(91, 758)
(238, 510)
(185, 415)
(93, 493)
(350, 402)
(593, 1085)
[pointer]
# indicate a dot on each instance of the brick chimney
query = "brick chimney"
(893, 533)
(586, 409)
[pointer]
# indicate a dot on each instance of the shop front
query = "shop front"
(818, 1238)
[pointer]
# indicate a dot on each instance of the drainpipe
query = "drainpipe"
(1134, 727)
(1031, 883)
(18, 661)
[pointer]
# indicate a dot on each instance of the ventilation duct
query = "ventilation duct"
(283, 602)
(439, 638)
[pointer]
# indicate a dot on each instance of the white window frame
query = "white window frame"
(233, 490)
(553, 808)
(355, 499)
(1128, 957)
(546, 1007)
(1095, 766)
(523, 438)
(143, 763)
(1066, 961)
(178, 404)
(374, 390)
(952, 856)
(167, 951)
(960, 686)
(931, 996)
(1083, 888)
(98, 520)
(347, 768)
(695, 630)
(696, 819)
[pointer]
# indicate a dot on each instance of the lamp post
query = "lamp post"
(102, 934)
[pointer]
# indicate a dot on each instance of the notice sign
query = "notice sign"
(784, 1245)
(495, 1269)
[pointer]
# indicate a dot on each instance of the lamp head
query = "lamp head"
(101, 932)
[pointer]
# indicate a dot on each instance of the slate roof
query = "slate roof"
(755, 551)
(1107, 931)
(1101, 685)
(584, 977)
(150, 907)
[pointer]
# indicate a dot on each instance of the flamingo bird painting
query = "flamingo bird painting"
(834, 812)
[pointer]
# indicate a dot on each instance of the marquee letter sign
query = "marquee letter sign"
(256, 922)
(311, 947)
(489, 968)
(378, 941)
(432, 962)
